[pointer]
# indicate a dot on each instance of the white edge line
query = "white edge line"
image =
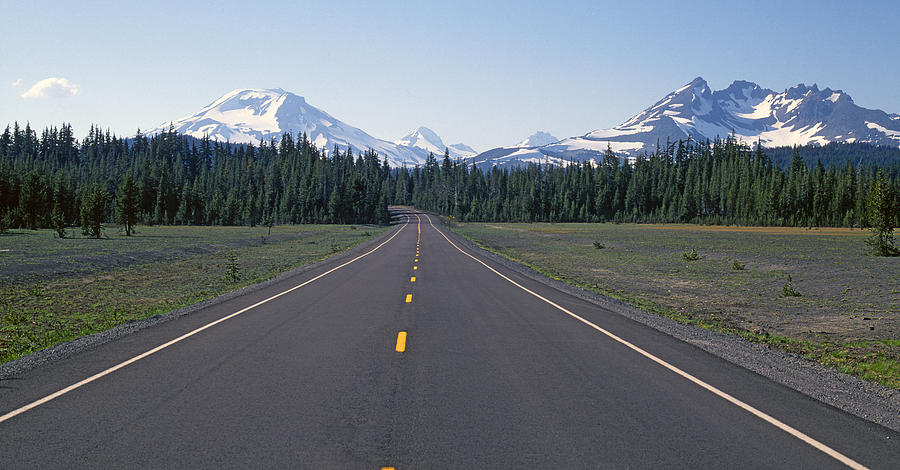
(134, 359)
(747, 407)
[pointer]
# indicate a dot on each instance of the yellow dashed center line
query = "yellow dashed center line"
(415, 268)
(416, 260)
(408, 298)
(412, 279)
(401, 341)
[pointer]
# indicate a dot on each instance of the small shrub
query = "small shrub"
(36, 290)
(232, 269)
(690, 255)
(738, 266)
(789, 290)
(367, 233)
(599, 245)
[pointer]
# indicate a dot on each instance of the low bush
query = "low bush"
(789, 290)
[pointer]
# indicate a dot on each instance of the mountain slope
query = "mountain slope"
(255, 115)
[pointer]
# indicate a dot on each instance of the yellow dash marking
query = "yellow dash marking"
(416, 260)
(408, 298)
(412, 279)
(401, 341)
(415, 268)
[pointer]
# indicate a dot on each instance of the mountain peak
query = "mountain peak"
(695, 87)
(538, 139)
(426, 139)
(740, 85)
(697, 83)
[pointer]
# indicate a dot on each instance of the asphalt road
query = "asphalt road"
(496, 371)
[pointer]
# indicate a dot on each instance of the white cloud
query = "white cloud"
(17, 82)
(51, 88)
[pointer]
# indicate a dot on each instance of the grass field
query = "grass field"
(53, 290)
(846, 311)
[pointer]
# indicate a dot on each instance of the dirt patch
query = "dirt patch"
(836, 231)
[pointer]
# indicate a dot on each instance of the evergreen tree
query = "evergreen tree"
(58, 220)
(34, 201)
(128, 204)
(882, 212)
(93, 211)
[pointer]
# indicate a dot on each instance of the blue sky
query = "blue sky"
(485, 73)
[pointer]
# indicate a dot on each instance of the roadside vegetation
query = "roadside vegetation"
(54, 290)
(820, 293)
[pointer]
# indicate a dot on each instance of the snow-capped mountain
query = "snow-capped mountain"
(255, 115)
(526, 151)
(427, 140)
(801, 115)
(538, 139)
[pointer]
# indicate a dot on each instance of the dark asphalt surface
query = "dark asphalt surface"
(492, 377)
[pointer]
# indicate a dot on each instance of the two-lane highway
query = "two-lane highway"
(417, 353)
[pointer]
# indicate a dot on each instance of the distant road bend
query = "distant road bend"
(416, 353)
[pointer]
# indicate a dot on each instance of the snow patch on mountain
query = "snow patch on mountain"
(893, 134)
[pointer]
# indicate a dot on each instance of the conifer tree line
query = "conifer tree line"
(719, 182)
(53, 180)
(172, 179)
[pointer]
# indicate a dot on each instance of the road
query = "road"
(493, 370)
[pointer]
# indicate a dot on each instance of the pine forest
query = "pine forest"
(52, 180)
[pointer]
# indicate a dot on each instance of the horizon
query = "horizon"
(554, 70)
